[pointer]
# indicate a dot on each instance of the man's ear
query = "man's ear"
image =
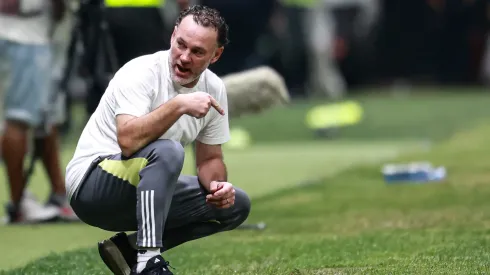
(217, 54)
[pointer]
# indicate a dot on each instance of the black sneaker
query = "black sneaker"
(118, 254)
(155, 266)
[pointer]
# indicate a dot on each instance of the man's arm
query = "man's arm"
(133, 133)
(210, 164)
(137, 123)
(209, 155)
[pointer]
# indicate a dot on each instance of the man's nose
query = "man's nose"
(185, 58)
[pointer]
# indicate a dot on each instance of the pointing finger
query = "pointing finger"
(216, 106)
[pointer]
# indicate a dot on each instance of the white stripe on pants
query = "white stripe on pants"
(148, 216)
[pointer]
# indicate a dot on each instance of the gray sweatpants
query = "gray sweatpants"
(145, 193)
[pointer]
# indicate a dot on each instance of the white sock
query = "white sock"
(144, 254)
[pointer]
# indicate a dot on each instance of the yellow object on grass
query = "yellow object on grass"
(334, 115)
(240, 139)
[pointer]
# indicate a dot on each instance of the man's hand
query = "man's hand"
(198, 104)
(222, 194)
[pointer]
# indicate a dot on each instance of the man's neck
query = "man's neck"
(183, 89)
(186, 86)
(192, 84)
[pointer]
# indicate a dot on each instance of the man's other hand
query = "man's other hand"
(222, 194)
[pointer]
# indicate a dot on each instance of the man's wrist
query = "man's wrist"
(211, 170)
(205, 184)
(181, 104)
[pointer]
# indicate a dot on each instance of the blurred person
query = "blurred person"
(290, 24)
(319, 36)
(337, 28)
(125, 174)
(325, 76)
(25, 41)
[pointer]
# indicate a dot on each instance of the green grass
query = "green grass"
(350, 223)
(282, 171)
(426, 114)
(320, 159)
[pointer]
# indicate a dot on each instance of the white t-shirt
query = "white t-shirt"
(28, 30)
(138, 88)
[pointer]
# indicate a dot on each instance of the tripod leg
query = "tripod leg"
(72, 62)
(35, 155)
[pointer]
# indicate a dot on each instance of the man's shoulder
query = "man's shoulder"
(214, 83)
(147, 61)
(144, 67)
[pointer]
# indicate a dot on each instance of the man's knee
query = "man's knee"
(170, 152)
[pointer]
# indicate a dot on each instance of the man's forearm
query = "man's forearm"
(212, 170)
(138, 132)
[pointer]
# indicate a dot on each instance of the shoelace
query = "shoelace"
(167, 264)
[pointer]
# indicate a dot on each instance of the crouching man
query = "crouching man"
(125, 173)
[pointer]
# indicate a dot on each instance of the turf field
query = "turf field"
(348, 222)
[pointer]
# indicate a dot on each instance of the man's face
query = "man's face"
(193, 48)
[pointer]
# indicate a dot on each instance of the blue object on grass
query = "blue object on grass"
(415, 172)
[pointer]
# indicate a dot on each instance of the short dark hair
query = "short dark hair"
(207, 17)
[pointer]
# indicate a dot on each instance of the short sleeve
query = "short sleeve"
(217, 130)
(133, 94)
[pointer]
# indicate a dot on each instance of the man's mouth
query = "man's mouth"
(182, 69)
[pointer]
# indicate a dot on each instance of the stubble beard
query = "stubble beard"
(184, 81)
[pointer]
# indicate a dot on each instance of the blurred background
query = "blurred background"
(369, 80)
(328, 48)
